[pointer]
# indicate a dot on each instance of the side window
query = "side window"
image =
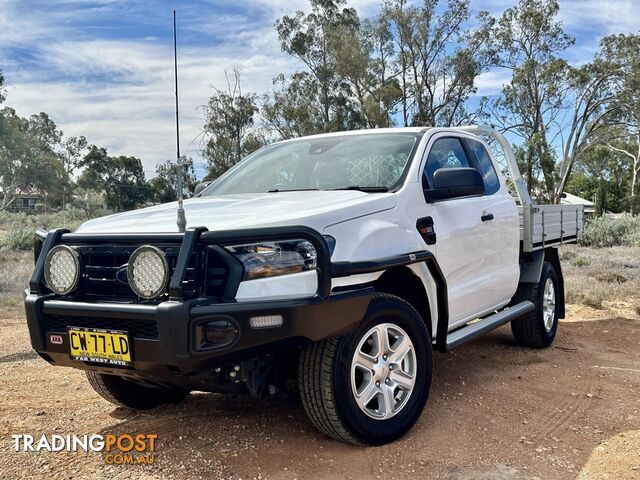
(484, 164)
(445, 153)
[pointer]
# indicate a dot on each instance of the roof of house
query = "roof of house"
(570, 199)
(27, 192)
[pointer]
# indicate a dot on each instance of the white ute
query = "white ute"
(422, 234)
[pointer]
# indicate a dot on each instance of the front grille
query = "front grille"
(135, 328)
(217, 273)
(207, 273)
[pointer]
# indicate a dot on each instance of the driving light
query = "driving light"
(148, 272)
(266, 321)
(62, 269)
(270, 259)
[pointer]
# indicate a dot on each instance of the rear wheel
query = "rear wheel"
(131, 394)
(369, 387)
(538, 328)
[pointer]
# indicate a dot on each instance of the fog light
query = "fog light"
(220, 332)
(215, 334)
(266, 321)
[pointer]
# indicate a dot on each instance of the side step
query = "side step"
(487, 324)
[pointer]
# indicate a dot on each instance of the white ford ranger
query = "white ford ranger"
(333, 264)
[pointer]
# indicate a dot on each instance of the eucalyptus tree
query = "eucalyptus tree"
(625, 138)
(27, 156)
(309, 37)
(121, 178)
(438, 59)
(230, 116)
(530, 40)
(71, 152)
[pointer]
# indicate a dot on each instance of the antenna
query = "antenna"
(181, 219)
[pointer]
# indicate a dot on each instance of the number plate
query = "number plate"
(96, 345)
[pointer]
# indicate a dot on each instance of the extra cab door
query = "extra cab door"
(479, 263)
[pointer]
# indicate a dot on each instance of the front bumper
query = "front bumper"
(173, 357)
(163, 338)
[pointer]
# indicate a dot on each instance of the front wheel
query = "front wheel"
(369, 387)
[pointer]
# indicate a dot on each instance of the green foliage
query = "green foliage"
(529, 40)
(20, 238)
(164, 186)
(580, 262)
(229, 118)
(610, 232)
(313, 39)
(27, 157)
(121, 178)
(437, 61)
(3, 94)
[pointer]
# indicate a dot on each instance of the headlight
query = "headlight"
(62, 269)
(148, 272)
(270, 259)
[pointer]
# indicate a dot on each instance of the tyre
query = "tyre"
(130, 394)
(369, 387)
(538, 327)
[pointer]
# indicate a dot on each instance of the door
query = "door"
(468, 245)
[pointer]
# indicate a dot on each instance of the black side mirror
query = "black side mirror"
(200, 187)
(454, 183)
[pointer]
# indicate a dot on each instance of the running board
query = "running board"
(487, 324)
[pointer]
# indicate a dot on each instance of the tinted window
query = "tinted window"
(484, 164)
(445, 153)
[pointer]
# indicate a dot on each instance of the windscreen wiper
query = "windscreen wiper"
(364, 189)
(277, 190)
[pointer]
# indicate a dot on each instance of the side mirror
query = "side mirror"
(200, 187)
(454, 183)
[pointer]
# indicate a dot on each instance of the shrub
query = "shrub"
(20, 238)
(21, 227)
(610, 232)
(581, 262)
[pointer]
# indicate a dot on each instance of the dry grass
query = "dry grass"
(15, 270)
(598, 277)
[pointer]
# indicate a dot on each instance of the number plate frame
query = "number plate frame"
(99, 345)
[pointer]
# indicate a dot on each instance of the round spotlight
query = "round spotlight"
(148, 272)
(62, 269)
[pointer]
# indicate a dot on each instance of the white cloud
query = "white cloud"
(119, 93)
(607, 16)
(490, 83)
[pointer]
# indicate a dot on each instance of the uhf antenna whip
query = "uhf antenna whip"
(181, 220)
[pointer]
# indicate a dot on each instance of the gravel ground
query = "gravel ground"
(496, 411)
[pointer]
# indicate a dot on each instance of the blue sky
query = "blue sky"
(103, 68)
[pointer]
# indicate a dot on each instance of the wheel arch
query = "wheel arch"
(403, 282)
(531, 270)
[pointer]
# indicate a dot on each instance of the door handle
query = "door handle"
(486, 217)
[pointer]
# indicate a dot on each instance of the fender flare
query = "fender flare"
(346, 269)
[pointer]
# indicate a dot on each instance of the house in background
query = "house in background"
(570, 199)
(27, 199)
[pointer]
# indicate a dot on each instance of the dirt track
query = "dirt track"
(496, 412)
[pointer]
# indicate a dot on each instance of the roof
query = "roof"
(571, 199)
(364, 131)
(26, 192)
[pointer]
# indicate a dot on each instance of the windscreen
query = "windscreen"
(374, 162)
